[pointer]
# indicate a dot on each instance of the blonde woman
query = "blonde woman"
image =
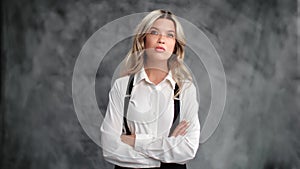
(152, 115)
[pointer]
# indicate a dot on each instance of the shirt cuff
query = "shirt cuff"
(141, 140)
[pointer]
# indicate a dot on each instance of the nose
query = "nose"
(160, 39)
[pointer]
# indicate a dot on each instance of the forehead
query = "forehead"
(164, 24)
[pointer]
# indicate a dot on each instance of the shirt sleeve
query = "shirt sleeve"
(114, 150)
(178, 149)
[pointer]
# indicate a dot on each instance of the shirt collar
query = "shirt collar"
(142, 75)
(171, 80)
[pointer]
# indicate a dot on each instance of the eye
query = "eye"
(153, 32)
(170, 35)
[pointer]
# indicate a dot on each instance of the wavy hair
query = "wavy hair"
(134, 61)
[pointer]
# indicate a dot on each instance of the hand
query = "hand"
(181, 129)
(128, 139)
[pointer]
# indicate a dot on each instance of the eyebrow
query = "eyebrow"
(158, 29)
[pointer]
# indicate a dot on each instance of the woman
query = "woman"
(152, 115)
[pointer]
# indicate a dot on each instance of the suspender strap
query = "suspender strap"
(126, 102)
(176, 110)
(176, 103)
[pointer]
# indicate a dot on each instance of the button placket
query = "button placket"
(156, 109)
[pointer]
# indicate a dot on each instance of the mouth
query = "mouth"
(160, 49)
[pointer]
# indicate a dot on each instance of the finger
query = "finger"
(126, 139)
(123, 138)
(183, 132)
(183, 129)
(177, 128)
(180, 126)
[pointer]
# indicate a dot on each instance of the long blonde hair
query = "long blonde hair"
(134, 61)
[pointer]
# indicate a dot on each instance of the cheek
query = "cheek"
(171, 46)
(149, 42)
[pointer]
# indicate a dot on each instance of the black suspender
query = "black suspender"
(176, 110)
(126, 102)
(176, 103)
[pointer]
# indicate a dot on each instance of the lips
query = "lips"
(160, 49)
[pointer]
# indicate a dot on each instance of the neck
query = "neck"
(157, 65)
(156, 71)
(155, 75)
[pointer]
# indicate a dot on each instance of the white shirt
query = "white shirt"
(150, 117)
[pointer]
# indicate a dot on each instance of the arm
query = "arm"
(114, 150)
(177, 148)
(181, 129)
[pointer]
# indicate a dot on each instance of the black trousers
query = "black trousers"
(163, 166)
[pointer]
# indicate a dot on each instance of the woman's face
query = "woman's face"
(160, 40)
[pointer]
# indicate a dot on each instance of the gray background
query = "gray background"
(257, 42)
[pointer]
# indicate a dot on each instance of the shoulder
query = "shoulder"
(188, 89)
(121, 80)
(188, 86)
(189, 94)
(120, 84)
